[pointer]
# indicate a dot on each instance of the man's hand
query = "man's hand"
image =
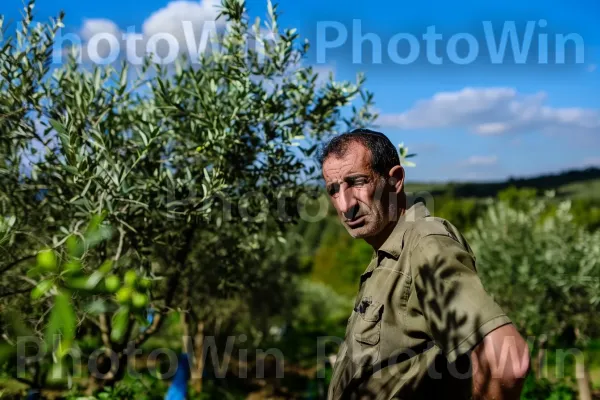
(500, 365)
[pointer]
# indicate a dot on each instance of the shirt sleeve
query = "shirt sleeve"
(457, 309)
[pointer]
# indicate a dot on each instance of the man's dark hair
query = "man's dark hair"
(384, 155)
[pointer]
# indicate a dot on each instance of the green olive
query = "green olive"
(46, 260)
(145, 283)
(139, 300)
(124, 295)
(130, 278)
(112, 283)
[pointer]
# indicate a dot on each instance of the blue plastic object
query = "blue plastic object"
(179, 385)
(149, 319)
(33, 394)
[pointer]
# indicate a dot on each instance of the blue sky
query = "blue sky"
(482, 120)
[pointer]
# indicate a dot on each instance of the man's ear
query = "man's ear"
(396, 178)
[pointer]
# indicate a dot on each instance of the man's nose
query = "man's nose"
(348, 204)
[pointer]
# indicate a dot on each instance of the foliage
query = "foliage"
(195, 190)
(544, 389)
(340, 259)
(586, 212)
(65, 282)
(319, 312)
(461, 212)
(541, 267)
(147, 388)
(321, 309)
(405, 155)
(518, 198)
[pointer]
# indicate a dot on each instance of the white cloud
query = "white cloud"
(171, 19)
(178, 27)
(592, 67)
(492, 111)
(102, 35)
(481, 161)
(93, 27)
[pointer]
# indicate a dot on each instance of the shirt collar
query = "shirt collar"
(395, 242)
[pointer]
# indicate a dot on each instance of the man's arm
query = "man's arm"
(500, 365)
(464, 319)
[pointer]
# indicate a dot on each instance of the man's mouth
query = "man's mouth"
(355, 222)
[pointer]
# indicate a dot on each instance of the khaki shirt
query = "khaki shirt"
(420, 308)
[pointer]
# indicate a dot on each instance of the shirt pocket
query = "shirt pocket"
(367, 332)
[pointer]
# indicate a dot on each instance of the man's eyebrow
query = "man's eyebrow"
(347, 177)
(356, 175)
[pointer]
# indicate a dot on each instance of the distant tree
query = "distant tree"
(340, 259)
(517, 197)
(586, 212)
(462, 212)
(543, 269)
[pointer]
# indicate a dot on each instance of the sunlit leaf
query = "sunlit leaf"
(41, 289)
(120, 322)
(62, 321)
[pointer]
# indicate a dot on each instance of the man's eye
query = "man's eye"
(333, 189)
(359, 181)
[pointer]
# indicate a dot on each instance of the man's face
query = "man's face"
(356, 191)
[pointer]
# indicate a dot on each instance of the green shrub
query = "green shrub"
(544, 389)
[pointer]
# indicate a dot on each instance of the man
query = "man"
(423, 326)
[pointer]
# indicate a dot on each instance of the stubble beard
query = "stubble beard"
(375, 220)
(373, 225)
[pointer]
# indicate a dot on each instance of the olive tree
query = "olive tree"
(184, 175)
(543, 269)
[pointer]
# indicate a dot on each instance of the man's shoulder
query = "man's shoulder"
(435, 239)
(432, 227)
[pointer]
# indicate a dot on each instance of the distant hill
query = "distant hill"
(573, 183)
